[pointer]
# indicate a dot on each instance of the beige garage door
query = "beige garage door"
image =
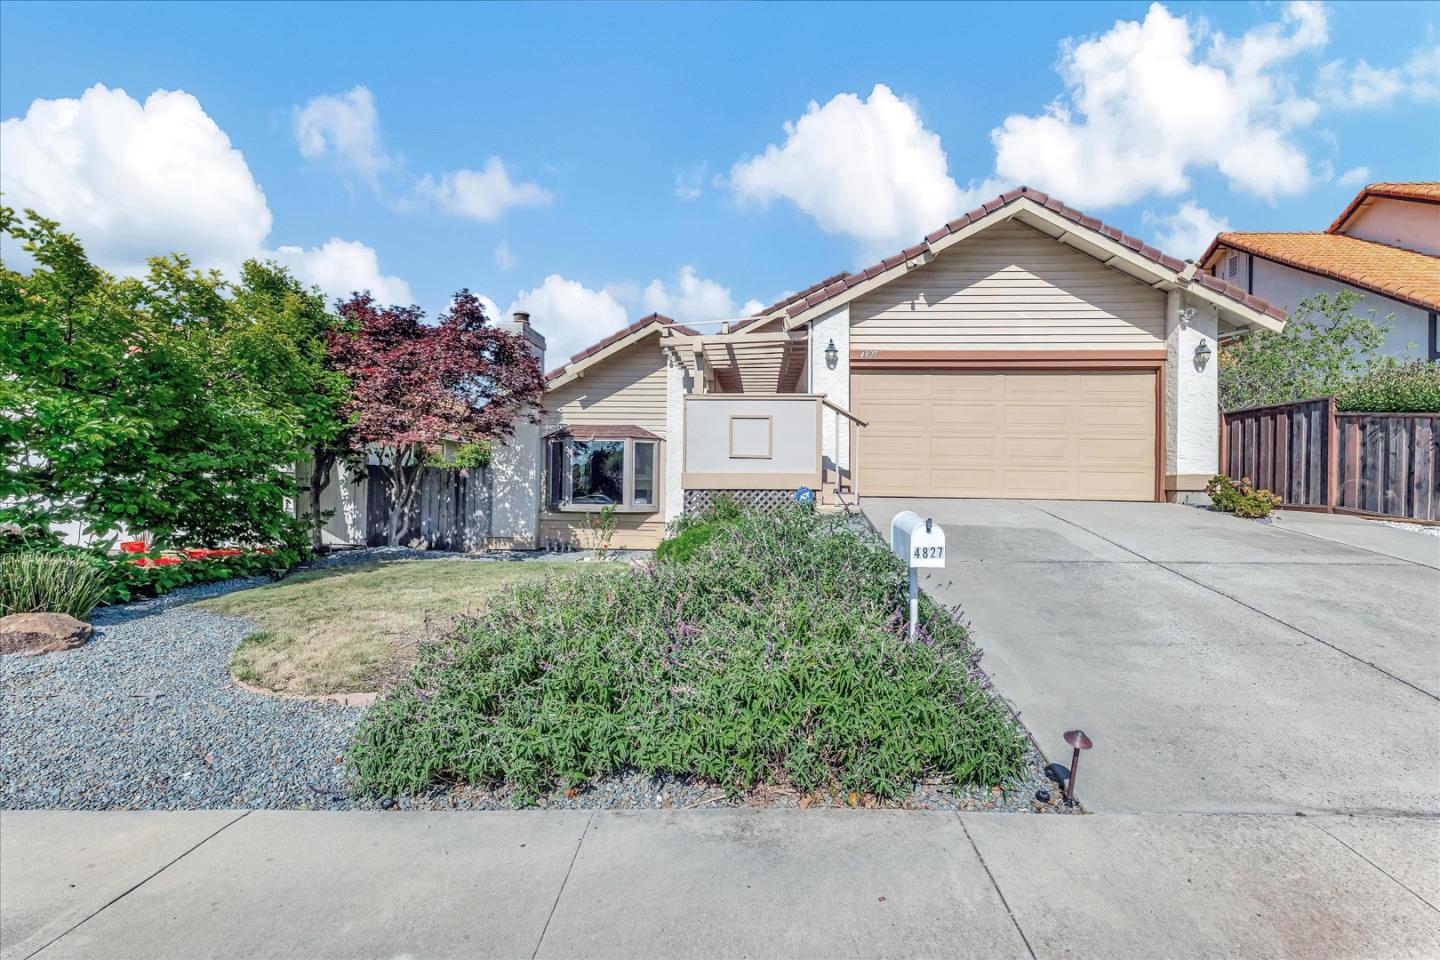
(1062, 435)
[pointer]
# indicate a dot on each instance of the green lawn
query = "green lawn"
(346, 629)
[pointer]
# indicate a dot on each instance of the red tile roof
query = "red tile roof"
(1424, 191)
(621, 334)
(1401, 274)
(841, 282)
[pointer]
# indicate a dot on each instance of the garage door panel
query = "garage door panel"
(1050, 434)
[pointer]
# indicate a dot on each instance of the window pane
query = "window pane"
(597, 472)
(555, 472)
(644, 474)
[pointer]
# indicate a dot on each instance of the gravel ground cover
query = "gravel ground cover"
(1428, 529)
(146, 716)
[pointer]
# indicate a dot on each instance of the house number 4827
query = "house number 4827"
(929, 553)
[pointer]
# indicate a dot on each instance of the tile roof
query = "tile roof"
(1426, 191)
(619, 431)
(1397, 273)
(621, 334)
(841, 282)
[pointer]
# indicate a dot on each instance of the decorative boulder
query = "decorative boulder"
(37, 633)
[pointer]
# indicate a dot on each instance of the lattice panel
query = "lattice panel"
(698, 501)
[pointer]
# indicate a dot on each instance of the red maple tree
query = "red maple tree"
(415, 385)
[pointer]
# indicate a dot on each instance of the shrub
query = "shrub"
(1394, 387)
(1241, 499)
(692, 531)
(777, 653)
(131, 576)
(70, 583)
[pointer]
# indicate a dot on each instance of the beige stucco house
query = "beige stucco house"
(1384, 246)
(1024, 350)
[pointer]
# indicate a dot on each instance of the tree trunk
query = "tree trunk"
(320, 467)
(402, 476)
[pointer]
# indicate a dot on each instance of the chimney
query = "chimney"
(519, 323)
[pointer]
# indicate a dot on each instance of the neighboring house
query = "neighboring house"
(1024, 350)
(1385, 247)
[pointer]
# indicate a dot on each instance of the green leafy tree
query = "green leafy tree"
(1324, 346)
(172, 404)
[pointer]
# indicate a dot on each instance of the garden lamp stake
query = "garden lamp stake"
(1078, 740)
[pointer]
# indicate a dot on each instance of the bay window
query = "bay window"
(590, 469)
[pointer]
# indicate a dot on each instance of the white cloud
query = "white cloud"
(692, 297)
(345, 129)
(135, 180)
(690, 182)
(867, 168)
(1354, 177)
(139, 180)
(1353, 86)
(504, 259)
(341, 267)
(1187, 231)
(570, 315)
(480, 194)
(1145, 106)
(752, 307)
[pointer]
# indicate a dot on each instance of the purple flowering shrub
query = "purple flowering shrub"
(776, 652)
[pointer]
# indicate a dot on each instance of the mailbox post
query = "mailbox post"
(920, 543)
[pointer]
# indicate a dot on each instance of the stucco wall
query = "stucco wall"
(1285, 286)
(1399, 223)
(708, 435)
(834, 384)
(1192, 435)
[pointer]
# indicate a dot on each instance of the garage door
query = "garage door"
(1061, 435)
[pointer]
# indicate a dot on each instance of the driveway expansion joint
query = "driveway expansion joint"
(136, 886)
(994, 883)
(1377, 866)
(584, 832)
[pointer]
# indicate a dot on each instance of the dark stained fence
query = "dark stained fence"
(1388, 464)
(451, 510)
(1284, 448)
(1318, 458)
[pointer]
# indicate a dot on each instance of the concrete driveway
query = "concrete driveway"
(1220, 665)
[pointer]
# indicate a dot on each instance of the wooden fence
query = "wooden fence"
(451, 510)
(1318, 458)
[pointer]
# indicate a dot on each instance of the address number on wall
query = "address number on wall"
(869, 354)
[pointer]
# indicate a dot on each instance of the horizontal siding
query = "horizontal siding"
(633, 531)
(626, 388)
(1010, 288)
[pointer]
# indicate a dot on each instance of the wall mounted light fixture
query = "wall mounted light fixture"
(1202, 355)
(832, 355)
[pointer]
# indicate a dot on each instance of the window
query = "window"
(590, 474)
(597, 472)
(644, 474)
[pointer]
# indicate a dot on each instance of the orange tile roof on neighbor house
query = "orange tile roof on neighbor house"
(1423, 191)
(1404, 275)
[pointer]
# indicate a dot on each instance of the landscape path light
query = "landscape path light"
(1078, 740)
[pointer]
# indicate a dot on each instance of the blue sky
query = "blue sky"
(593, 162)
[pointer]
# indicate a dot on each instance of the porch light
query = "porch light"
(832, 356)
(1202, 355)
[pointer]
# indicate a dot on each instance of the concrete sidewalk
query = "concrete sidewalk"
(714, 883)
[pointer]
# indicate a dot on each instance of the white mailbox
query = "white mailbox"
(917, 540)
(920, 542)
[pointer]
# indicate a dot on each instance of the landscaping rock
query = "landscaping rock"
(37, 633)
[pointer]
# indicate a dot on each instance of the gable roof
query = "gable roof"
(614, 343)
(1098, 239)
(1395, 272)
(1420, 191)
